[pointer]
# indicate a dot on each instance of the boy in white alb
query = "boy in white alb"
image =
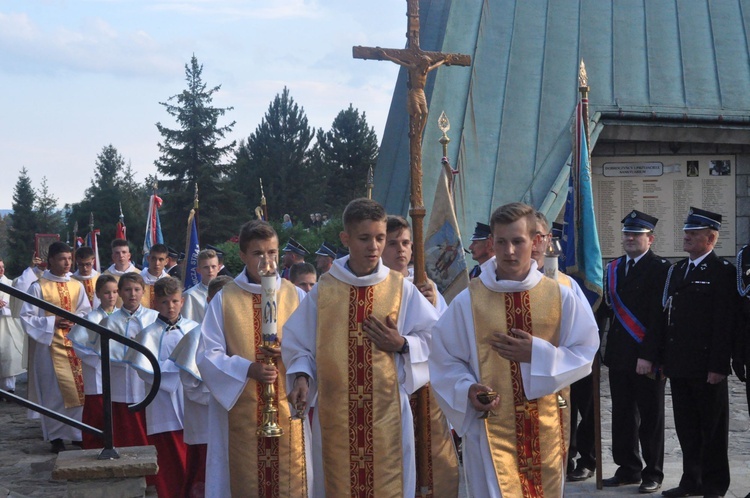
(196, 296)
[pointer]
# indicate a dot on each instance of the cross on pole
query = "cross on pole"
(419, 63)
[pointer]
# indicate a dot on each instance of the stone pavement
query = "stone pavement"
(26, 463)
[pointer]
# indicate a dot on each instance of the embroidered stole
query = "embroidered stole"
(89, 285)
(564, 280)
(66, 364)
(526, 437)
(259, 466)
(148, 300)
(359, 403)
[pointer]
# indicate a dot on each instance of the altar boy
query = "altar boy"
(362, 333)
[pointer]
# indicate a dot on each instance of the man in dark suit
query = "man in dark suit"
(701, 304)
(633, 286)
(481, 248)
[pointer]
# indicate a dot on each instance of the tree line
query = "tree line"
(303, 171)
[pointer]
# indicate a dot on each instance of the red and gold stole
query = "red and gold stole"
(260, 466)
(148, 300)
(89, 285)
(358, 391)
(66, 364)
(525, 436)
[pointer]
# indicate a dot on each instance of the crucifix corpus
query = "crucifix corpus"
(418, 63)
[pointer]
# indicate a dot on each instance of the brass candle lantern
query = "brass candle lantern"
(551, 257)
(267, 269)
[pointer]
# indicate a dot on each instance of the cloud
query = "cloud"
(95, 47)
(248, 9)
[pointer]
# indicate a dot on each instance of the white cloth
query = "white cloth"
(454, 367)
(416, 318)
(226, 377)
(77, 275)
(165, 412)
(196, 394)
(11, 338)
(112, 270)
(43, 386)
(84, 342)
(196, 298)
(149, 279)
(441, 304)
(127, 386)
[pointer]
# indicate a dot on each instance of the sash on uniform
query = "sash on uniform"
(628, 320)
(526, 437)
(359, 402)
(66, 364)
(260, 466)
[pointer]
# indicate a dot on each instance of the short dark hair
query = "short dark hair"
(167, 286)
(104, 280)
(255, 230)
(119, 243)
(159, 249)
(363, 209)
(84, 252)
(130, 277)
(215, 285)
(396, 223)
(56, 248)
(298, 269)
(510, 213)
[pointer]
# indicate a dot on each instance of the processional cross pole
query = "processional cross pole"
(418, 63)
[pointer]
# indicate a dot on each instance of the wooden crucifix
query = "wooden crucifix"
(418, 63)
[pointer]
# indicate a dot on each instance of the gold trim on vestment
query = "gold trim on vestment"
(66, 364)
(359, 403)
(259, 466)
(89, 285)
(148, 299)
(525, 436)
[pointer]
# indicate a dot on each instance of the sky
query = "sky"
(78, 75)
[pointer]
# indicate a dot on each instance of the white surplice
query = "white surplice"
(195, 302)
(416, 318)
(195, 392)
(84, 343)
(11, 342)
(454, 367)
(165, 412)
(94, 274)
(127, 386)
(226, 377)
(43, 386)
(112, 270)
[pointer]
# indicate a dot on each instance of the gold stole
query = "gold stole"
(259, 466)
(526, 437)
(148, 299)
(563, 279)
(89, 285)
(66, 364)
(359, 405)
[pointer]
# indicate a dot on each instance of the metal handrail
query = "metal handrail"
(106, 335)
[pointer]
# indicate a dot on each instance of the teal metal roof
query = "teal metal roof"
(511, 112)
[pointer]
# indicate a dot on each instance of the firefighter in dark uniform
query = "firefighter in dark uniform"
(701, 309)
(633, 286)
(481, 248)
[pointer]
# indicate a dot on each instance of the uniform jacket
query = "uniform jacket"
(701, 318)
(641, 293)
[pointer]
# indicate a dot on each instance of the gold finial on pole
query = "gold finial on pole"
(583, 88)
(445, 125)
(370, 184)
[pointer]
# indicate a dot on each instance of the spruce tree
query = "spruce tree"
(23, 225)
(277, 153)
(193, 154)
(49, 218)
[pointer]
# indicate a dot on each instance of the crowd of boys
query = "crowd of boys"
(360, 343)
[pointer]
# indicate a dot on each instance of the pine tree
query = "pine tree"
(23, 225)
(49, 218)
(344, 155)
(277, 153)
(192, 155)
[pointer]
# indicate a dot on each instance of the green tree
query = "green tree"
(344, 155)
(23, 225)
(113, 185)
(49, 218)
(277, 153)
(4, 236)
(192, 154)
